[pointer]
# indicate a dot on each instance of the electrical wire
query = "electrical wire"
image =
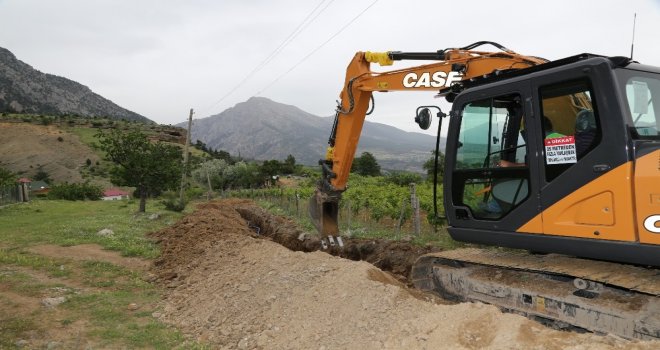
(299, 29)
(317, 48)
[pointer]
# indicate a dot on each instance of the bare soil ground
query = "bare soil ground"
(232, 286)
(25, 147)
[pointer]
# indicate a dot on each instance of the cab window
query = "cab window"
(569, 123)
(642, 92)
(491, 171)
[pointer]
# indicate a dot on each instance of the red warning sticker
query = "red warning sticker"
(560, 150)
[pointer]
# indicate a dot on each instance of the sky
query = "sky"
(160, 58)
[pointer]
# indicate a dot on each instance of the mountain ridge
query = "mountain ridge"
(262, 129)
(24, 89)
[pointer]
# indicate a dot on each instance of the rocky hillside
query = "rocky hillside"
(263, 129)
(24, 89)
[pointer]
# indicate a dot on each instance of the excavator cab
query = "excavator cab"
(557, 158)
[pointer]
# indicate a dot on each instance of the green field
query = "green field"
(97, 293)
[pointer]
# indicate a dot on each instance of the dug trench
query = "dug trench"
(239, 277)
(395, 257)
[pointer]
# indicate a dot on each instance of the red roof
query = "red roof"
(24, 180)
(111, 192)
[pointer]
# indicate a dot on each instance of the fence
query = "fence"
(12, 194)
(351, 219)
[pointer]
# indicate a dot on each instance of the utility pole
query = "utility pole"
(185, 156)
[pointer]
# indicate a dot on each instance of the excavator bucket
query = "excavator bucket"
(324, 213)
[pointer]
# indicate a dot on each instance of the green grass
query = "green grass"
(16, 257)
(69, 223)
(13, 328)
(86, 136)
(102, 304)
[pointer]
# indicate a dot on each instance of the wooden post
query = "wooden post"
(208, 180)
(414, 203)
(403, 211)
(348, 215)
(297, 204)
(185, 156)
(418, 221)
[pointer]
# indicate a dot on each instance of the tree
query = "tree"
(366, 165)
(150, 167)
(42, 175)
(289, 165)
(271, 168)
(429, 164)
(216, 170)
(7, 178)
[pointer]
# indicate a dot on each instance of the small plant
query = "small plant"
(172, 202)
(75, 192)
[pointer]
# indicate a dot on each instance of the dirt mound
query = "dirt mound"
(234, 289)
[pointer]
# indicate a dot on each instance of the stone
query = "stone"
(106, 232)
(52, 302)
(133, 306)
(243, 343)
(21, 343)
(154, 216)
(244, 288)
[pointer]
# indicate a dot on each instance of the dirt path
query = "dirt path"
(234, 289)
(91, 252)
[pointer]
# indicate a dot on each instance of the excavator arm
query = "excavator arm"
(453, 69)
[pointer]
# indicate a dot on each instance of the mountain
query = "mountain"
(24, 89)
(263, 129)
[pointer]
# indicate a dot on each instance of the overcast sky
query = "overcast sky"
(160, 58)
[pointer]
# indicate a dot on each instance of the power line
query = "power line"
(317, 48)
(299, 29)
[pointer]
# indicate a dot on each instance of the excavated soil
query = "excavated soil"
(231, 285)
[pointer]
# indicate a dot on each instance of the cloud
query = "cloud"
(160, 58)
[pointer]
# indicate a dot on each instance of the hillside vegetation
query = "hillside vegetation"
(64, 147)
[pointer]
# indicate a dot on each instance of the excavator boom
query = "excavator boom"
(454, 66)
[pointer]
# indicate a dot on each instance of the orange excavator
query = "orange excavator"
(560, 158)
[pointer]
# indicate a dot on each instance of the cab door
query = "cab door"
(490, 181)
(584, 172)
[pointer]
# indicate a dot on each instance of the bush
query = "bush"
(172, 202)
(403, 178)
(76, 192)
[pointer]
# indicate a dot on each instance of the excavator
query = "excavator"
(559, 160)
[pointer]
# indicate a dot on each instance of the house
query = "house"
(113, 194)
(39, 188)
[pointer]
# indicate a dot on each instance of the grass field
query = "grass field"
(107, 305)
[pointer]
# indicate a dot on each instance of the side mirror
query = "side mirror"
(423, 118)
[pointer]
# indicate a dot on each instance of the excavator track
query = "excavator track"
(561, 291)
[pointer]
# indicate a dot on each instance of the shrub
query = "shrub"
(75, 192)
(172, 202)
(60, 139)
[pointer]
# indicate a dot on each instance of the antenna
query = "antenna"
(632, 45)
